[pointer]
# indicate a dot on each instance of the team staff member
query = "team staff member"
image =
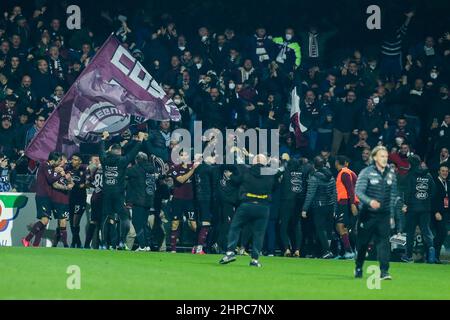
(47, 174)
(420, 189)
(183, 197)
(77, 197)
(95, 180)
(203, 177)
(321, 198)
(347, 203)
(255, 194)
(293, 193)
(440, 210)
(141, 185)
(376, 189)
(229, 199)
(114, 169)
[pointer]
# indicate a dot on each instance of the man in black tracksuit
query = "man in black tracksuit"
(376, 189)
(293, 193)
(420, 189)
(321, 197)
(228, 195)
(203, 177)
(255, 194)
(441, 208)
(114, 170)
(141, 186)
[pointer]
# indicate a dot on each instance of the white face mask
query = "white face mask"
(199, 65)
(372, 66)
(182, 48)
(204, 38)
(433, 75)
(232, 86)
(288, 37)
(376, 100)
(177, 101)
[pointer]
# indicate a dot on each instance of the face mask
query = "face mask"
(232, 86)
(181, 48)
(433, 75)
(177, 101)
(376, 100)
(442, 94)
(204, 38)
(289, 37)
(199, 65)
(372, 66)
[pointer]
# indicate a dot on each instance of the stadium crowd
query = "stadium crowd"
(396, 97)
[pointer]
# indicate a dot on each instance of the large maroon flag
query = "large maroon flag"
(113, 88)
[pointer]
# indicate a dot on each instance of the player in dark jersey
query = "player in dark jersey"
(94, 180)
(183, 197)
(60, 200)
(77, 197)
(114, 170)
(47, 174)
(203, 176)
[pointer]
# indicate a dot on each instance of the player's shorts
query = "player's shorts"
(183, 208)
(77, 207)
(44, 207)
(114, 206)
(204, 210)
(344, 215)
(96, 209)
(60, 211)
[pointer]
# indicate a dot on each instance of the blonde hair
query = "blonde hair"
(376, 150)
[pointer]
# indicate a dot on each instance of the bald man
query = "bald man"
(255, 190)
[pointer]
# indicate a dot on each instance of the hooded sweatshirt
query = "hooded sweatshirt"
(420, 189)
(141, 185)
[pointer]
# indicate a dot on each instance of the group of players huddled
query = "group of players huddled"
(230, 204)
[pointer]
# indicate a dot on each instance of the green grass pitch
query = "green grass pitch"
(41, 273)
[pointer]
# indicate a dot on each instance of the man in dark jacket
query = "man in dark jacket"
(114, 171)
(419, 193)
(228, 194)
(255, 194)
(322, 199)
(376, 189)
(141, 188)
(293, 193)
(203, 177)
(440, 208)
(344, 119)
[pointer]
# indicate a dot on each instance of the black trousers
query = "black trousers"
(378, 227)
(226, 216)
(323, 222)
(414, 219)
(255, 216)
(139, 219)
(290, 223)
(440, 233)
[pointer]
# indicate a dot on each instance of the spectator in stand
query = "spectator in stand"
(344, 119)
(362, 162)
